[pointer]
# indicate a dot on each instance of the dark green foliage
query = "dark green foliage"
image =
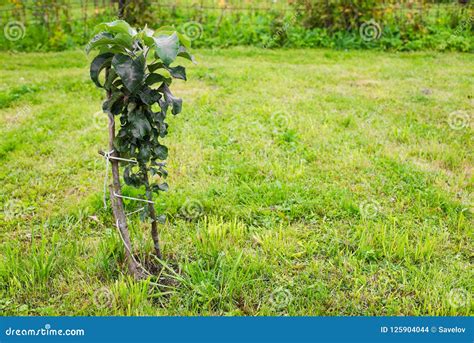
(340, 15)
(138, 12)
(98, 64)
(139, 73)
(309, 24)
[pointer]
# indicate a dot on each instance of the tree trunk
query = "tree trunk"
(151, 210)
(121, 9)
(117, 203)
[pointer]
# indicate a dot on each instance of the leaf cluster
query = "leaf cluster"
(139, 72)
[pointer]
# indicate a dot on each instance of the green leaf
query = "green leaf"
(117, 26)
(144, 153)
(113, 48)
(170, 99)
(157, 78)
(114, 104)
(130, 178)
(121, 141)
(140, 126)
(131, 71)
(184, 40)
(149, 96)
(98, 63)
(163, 129)
(167, 48)
(177, 72)
(161, 219)
(124, 40)
(99, 40)
(182, 52)
(112, 75)
(146, 35)
(161, 152)
(164, 31)
(161, 171)
(155, 66)
(117, 106)
(108, 42)
(163, 187)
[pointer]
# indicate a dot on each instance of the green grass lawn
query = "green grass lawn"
(302, 182)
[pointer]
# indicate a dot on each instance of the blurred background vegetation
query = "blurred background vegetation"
(404, 25)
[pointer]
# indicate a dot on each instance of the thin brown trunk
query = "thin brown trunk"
(219, 21)
(117, 203)
(121, 8)
(152, 212)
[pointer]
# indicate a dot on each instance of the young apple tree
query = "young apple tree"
(138, 75)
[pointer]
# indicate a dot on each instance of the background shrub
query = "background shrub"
(404, 25)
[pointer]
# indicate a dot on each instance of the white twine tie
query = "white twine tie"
(108, 156)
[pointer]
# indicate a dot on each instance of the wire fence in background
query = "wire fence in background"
(85, 9)
(56, 17)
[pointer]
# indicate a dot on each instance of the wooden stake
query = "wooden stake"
(117, 203)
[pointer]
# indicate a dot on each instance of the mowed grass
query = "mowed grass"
(302, 182)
